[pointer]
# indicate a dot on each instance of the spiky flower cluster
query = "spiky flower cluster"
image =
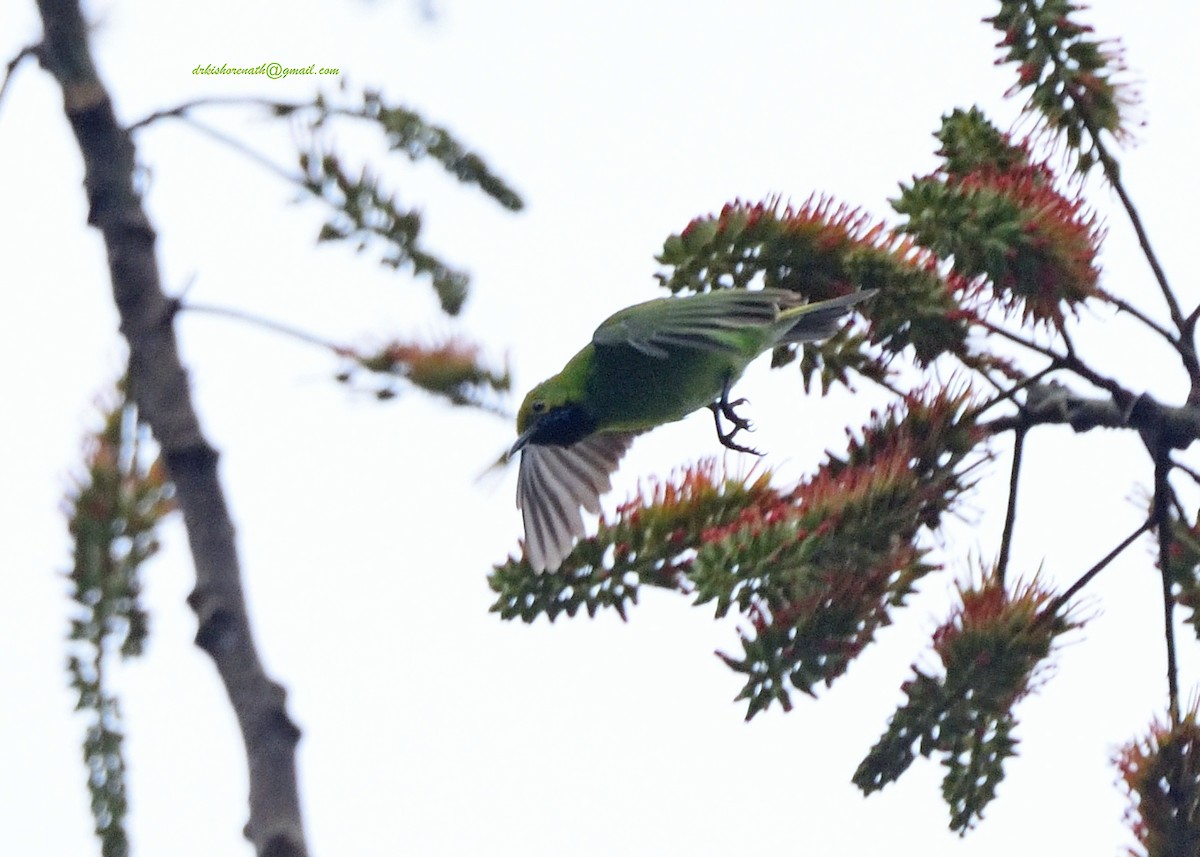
(1006, 227)
(113, 512)
(651, 541)
(1069, 75)
(822, 249)
(452, 369)
(814, 569)
(818, 577)
(992, 649)
(1162, 773)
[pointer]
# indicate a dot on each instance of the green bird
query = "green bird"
(649, 364)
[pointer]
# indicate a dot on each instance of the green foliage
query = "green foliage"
(1003, 223)
(970, 142)
(815, 569)
(365, 212)
(992, 649)
(650, 542)
(1069, 74)
(112, 515)
(407, 132)
(1162, 773)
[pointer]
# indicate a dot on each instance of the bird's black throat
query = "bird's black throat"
(563, 426)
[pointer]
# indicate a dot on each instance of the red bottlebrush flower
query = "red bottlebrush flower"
(1162, 773)
(802, 248)
(823, 249)
(993, 649)
(1053, 260)
(1003, 631)
(1074, 80)
(1034, 247)
(451, 368)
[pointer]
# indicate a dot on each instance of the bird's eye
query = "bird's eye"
(538, 406)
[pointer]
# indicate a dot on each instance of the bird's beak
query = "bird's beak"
(522, 440)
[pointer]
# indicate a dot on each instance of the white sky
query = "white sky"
(431, 727)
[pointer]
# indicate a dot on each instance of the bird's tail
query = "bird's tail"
(819, 320)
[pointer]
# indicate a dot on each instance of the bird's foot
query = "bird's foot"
(725, 408)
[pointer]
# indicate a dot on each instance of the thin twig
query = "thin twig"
(180, 111)
(1068, 361)
(1113, 173)
(1129, 309)
(1006, 395)
(1162, 522)
(1185, 343)
(236, 144)
(1086, 577)
(887, 385)
(1179, 510)
(22, 55)
(1189, 471)
(991, 327)
(269, 324)
(1010, 516)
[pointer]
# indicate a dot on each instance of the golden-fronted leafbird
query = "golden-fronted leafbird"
(649, 364)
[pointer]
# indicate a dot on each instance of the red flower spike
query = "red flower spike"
(1162, 774)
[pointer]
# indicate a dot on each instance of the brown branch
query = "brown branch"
(159, 385)
(1185, 343)
(268, 324)
(1129, 309)
(22, 55)
(1086, 577)
(1068, 361)
(1162, 523)
(1010, 516)
(180, 111)
(1006, 395)
(248, 152)
(1188, 470)
(1175, 427)
(1112, 171)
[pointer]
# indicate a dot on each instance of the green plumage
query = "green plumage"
(650, 364)
(658, 361)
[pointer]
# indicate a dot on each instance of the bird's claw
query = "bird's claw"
(725, 409)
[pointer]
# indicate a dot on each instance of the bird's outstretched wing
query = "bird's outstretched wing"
(554, 483)
(706, 322)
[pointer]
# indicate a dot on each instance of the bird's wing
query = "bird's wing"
(554, 483)
(707, 322)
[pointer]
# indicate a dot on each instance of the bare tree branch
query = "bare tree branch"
(268, 324)
(1185, 344)
(159, 385)
(1129, 309)
(1086, 577)
(1010, 516)
(1177, 427)
(22, 55)
(1162, 524)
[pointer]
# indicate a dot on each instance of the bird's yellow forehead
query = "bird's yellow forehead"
(545, 397)
(525, 414)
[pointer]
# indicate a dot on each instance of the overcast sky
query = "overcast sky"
(430, 726)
